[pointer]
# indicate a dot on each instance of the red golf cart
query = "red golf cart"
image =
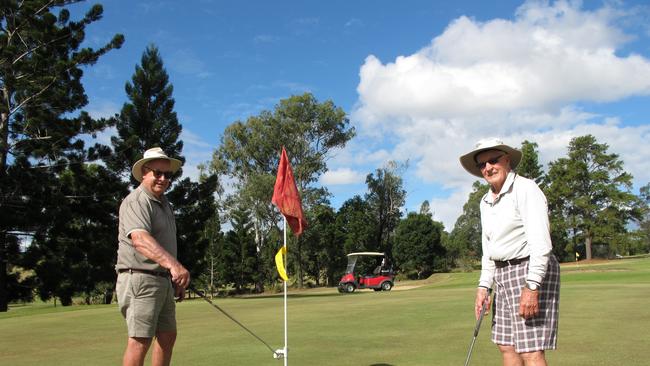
(374, 272)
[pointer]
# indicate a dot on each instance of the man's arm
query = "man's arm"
(148, 246)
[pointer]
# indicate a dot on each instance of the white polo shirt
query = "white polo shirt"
(515, 225)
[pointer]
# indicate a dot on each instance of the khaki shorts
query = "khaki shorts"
(147, 303)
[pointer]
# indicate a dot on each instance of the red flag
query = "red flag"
(286, 197)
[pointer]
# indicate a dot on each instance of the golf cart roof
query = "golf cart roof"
(366, 253)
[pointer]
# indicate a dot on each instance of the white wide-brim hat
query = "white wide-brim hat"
(468, 161)
(153, 154)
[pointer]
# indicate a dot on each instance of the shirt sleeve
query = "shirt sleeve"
(487, 265)
(534, 213)
(137, 217)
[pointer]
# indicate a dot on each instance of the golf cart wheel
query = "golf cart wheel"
(349, 287)
(386, 286)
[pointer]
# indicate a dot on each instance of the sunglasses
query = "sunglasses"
(492, 161)
(158, 173)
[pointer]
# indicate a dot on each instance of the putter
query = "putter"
(478, 325)
(277, 354)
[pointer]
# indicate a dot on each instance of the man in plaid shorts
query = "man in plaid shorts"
(517, 257)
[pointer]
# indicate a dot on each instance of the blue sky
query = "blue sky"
(421, 81)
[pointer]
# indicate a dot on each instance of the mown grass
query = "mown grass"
(604, 321)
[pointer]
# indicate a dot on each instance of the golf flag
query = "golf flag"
(279, 263)
(286, 197)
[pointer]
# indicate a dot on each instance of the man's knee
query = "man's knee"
(139, 344)
(166, 340)
(507, 349)
(136, 350)
(533, 356)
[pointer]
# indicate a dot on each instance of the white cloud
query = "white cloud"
(519, 79)
(186, 62)
(102, 108)
(342, 176)
(196, 151)
(265, 38)
(191, 139)
(354, 22)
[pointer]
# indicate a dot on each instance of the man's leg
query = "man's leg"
(162, 348)
(534, 358)
(136, 350)
(510, 357)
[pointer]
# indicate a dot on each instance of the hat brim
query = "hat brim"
(175, 164)
(468, 160)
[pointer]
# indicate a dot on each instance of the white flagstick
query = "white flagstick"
(286, 355)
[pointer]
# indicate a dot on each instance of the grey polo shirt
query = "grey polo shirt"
(142, 211)
(515, 225)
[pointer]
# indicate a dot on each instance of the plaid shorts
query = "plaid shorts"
(508, 328)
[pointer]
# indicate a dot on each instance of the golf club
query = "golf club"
(278, 354)
(478, 325)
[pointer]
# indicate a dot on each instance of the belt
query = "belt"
(145, 271)
(511, 262)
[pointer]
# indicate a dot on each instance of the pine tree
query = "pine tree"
(240, 245)
(148, 120)
(529, 165)
(41, 65)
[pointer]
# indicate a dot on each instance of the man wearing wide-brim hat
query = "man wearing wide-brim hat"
(150, 277)
(517, 259)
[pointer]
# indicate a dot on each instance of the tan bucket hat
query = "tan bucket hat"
(468, 161)
(153, 154)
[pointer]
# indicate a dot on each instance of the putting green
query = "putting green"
(604, 320)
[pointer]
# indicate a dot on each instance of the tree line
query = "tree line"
(60, 190)
(592, 209)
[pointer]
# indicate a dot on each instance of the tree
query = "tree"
(591, 192)
(425, 208)
(385, 197)
(417, 244)
(240, 245)
(464, 242)
(249, 153)
(355, 225)
(74, 251)
(640, 242)
(41, 65)
(194, 207)
(645, 223)
(211, 277)
(148, 120)
(529, 166)
(324, 249)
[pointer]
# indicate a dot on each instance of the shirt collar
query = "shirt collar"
(507, 186)
(150, 195)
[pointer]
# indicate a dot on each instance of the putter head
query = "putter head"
(279, 353)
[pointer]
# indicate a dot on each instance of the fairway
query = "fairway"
(604, 321)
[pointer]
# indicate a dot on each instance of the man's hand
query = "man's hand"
(179, 293)
(481, 297)
(528, 303)
(180, 275)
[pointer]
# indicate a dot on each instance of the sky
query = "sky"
(421, 81)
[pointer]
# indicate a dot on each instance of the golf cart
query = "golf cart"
(371, 273)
